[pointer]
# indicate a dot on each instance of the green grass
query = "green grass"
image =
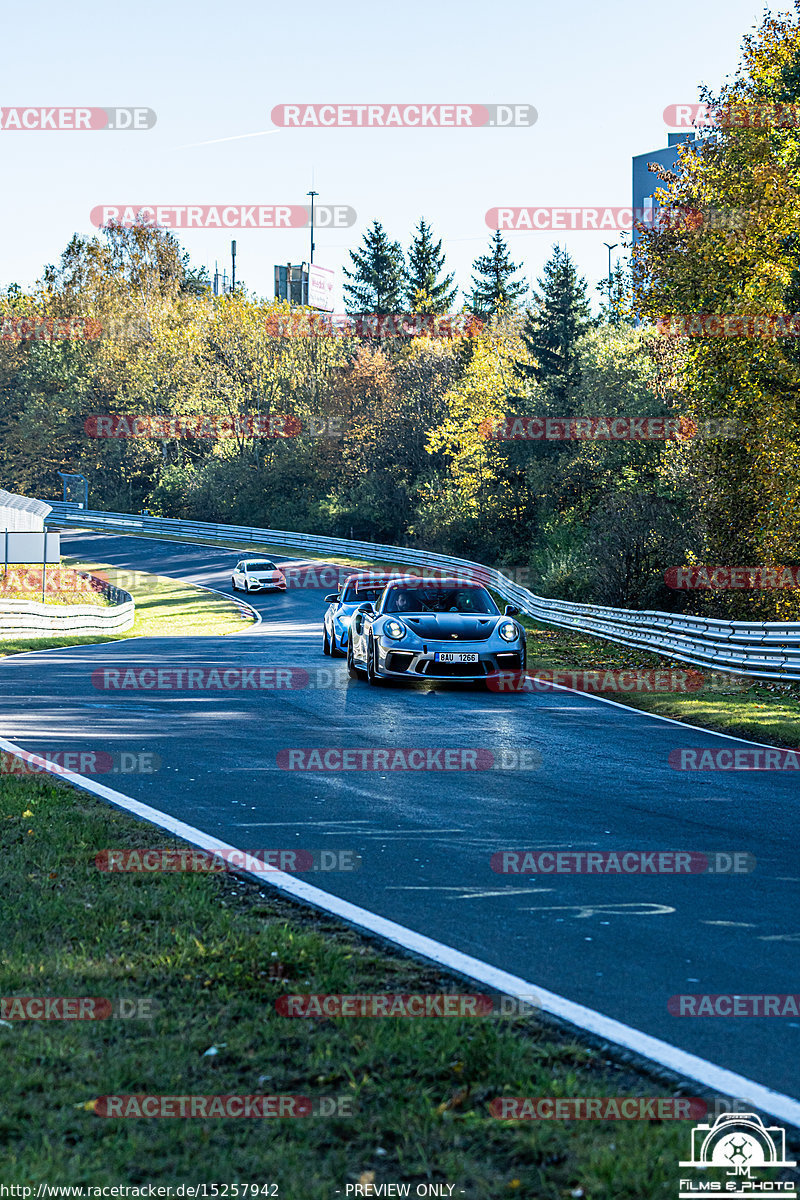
(760, 710)
(206, 948)
(24, 582)
(164, 608)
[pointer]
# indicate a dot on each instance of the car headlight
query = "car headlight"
(508, 631)
(394, 630)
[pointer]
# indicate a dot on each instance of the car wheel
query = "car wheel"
(373, 678)
(234, 588)
(352, 670)
(326, 644)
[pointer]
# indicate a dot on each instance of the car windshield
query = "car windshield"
(356, 593)
(440, 600)
(261, 565)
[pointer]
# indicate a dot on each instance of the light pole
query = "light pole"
(312, 195)
(609, 248)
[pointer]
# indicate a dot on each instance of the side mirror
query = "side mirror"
(367, 607)
(331, 599)
(510, 610)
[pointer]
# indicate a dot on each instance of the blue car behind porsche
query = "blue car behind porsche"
(356, 589)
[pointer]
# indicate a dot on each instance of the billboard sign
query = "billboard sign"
(320, 288)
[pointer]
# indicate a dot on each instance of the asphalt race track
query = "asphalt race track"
(619, 944)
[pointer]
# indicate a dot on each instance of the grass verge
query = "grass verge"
(164, 608)
(756, 709)
(214, 952)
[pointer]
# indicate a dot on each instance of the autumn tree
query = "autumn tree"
(729, 248)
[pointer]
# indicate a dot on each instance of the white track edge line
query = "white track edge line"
(642, 712)
(728, 1083)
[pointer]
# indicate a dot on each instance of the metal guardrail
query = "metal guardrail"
(768, 650)
(23, 617)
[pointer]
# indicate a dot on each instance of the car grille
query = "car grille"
(397, 660)
(509, 660)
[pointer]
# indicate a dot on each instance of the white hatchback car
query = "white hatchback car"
(257, 575)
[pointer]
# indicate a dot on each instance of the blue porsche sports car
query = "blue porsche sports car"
(341, 606)
(445, 629)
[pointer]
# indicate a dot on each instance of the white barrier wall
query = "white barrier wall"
(22, 513)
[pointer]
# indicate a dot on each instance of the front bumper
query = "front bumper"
(252, 585)
(396, 661)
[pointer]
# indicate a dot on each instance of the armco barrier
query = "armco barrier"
(768, 650)
(21, 618)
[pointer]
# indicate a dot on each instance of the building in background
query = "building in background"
(645, 182)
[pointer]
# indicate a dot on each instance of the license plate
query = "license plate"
(455, 657)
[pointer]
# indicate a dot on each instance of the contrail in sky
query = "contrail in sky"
(237, 137)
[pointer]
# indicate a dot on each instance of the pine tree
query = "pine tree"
(426, 291)
(492, 285)
(616, 307)
(553, 326)
(378, 275)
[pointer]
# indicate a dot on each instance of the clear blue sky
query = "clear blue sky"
(600, 76)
